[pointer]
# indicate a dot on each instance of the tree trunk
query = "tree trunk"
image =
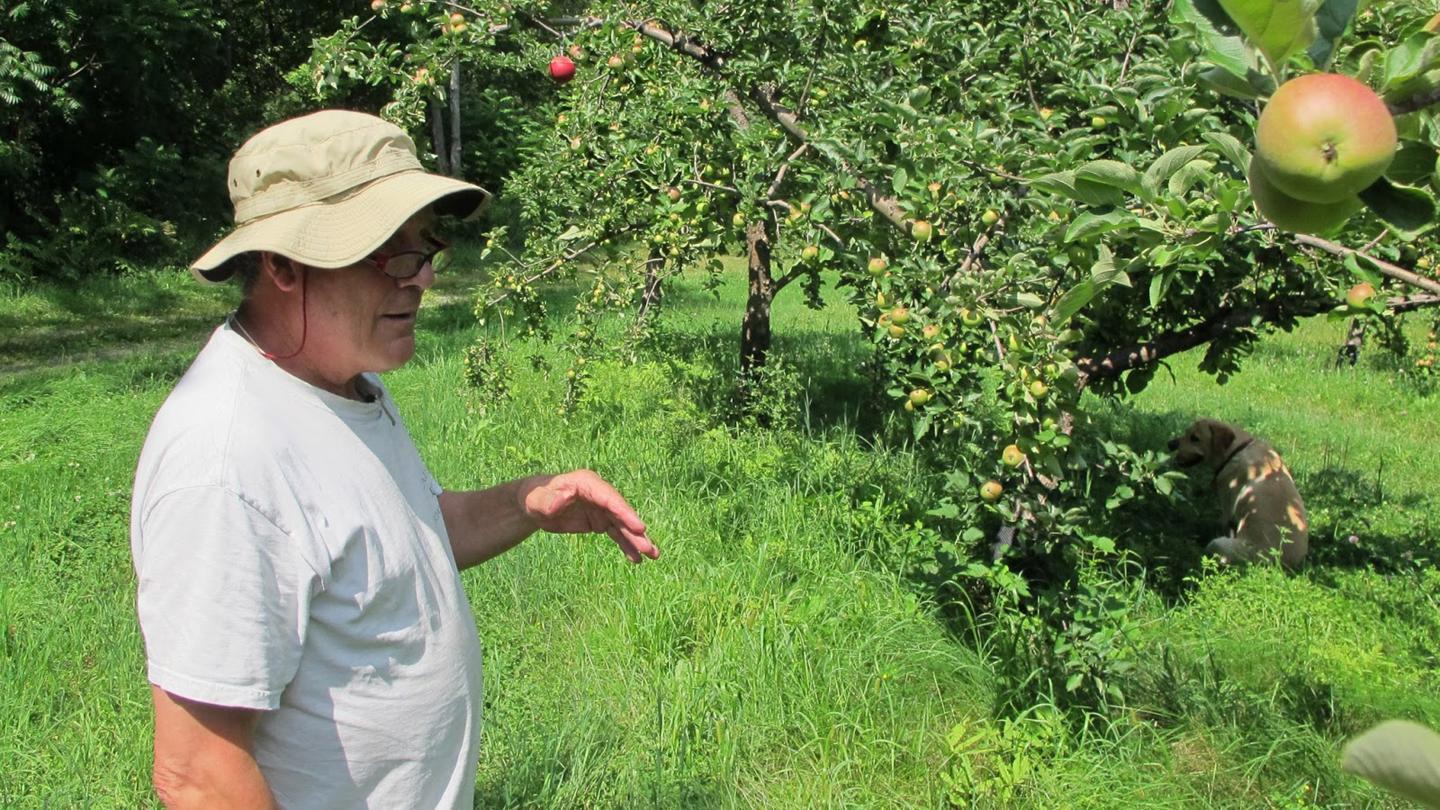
(1349, 351)
(455, 119)
(437, 136)
(653, 292)
(755, 329)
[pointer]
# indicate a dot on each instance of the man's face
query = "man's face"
(361, 319)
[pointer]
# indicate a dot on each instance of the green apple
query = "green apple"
(920, 229)
(991, 491)
(877, 266)
(989, 218)
(920, 396)
(1012, 456)
(1291, 214)
(809, 253)
(1324, 137)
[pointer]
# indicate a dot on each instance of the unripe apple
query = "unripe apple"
(615, 62)
(673, 193)
(562, 69)
(989, 218)
(991, 490)
(920, 396)
(934, 188)
(1098, 122)
(929, 331)
(1291, 214)
(970, 317)
(377, 5)
(457, 18)
(738, 220)
(1045, 113)
(900, 315)
(1324, 137)
(809, 253)
(1038, 389)
(877, 266)
(1012, 455)
(576, 52)
(895, 330)
(920, 229)
(1360, 295)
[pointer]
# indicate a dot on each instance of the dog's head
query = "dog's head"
(1205, 440)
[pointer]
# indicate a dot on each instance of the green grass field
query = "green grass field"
(772, 657)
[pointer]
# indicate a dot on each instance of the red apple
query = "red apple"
(1360, 295)
(562, 69)
(1324, 137)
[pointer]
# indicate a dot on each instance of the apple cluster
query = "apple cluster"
(1321, 140)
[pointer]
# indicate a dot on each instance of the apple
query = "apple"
(457, 18)
(1038, 389)
(920, 229)
(738, 220)
(877, 266)
(1012, 455)
(920, 396)
(810, 253)
(562, 69)
(1045, 113)
(970, 317)
(615, 62)
(990, 491)
(900, 315)
(575, 144)
(673, 193)
(377, 5)
(934, 188)
(1295, 215)
(895, 330)
(1098, 122)
(1324, 137)
(1360, 295)
(929, 331)
(576, 52)
(989, 218)
(422, 76)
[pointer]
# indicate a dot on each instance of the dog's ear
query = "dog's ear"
(1221, 437)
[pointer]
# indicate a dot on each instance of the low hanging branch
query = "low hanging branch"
(1393, 271)
(1225, 320)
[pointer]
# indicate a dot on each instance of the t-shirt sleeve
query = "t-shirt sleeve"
(223, 598)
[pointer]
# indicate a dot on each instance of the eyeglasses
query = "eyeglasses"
(408, 263)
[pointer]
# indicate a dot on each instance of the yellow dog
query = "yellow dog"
(1262, 508)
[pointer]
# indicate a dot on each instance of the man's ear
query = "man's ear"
(281, 271)
(1221, 437)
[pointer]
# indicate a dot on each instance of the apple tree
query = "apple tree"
(1024, 201)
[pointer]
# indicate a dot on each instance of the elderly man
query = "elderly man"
(308, 640)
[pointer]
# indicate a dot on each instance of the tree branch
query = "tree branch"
(1419, 101)
(1393, 271)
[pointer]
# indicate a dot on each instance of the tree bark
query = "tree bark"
(1349, 351)
(755, 328)
(437, 136)
(455, 119)
(653, 291)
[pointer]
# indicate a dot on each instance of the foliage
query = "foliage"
(1012, 231)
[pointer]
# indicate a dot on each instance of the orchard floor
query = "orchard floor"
(771, 658)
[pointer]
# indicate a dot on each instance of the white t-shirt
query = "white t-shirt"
(291, 557)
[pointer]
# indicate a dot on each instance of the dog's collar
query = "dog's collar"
(1231, 457)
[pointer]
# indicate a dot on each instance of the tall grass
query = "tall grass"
(772, 657)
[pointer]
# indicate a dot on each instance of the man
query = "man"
(308, 640)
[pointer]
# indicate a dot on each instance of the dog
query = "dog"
(1262, 508)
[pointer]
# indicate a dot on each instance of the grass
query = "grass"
(771, 658)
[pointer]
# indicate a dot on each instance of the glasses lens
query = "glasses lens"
(441, 260)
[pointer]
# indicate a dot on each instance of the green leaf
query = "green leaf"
(1247, 87)
(1190, 175)
(1414, 163)
(1218, 34)
(1157, 288)
(1167, 164)
(1029, 300)
(1331, 20)
(1400, 756)
(1408, 210)
(1088, 224)
(899, 179)
(1163, 485)
(1279, 28)
(1075, 300)
(1111, 173)
(1231, 147)
(1409, 59)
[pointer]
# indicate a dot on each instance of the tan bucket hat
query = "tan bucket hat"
(328, 189)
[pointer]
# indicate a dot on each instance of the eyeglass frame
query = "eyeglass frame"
(380, 258)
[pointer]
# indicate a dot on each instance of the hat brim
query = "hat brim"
(342, 230)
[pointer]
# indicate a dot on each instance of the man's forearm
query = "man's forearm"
(203, 757)
(485, 523)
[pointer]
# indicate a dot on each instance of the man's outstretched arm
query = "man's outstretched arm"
(484, 523)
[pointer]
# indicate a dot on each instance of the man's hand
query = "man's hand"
(485, 523)
(582, 501)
